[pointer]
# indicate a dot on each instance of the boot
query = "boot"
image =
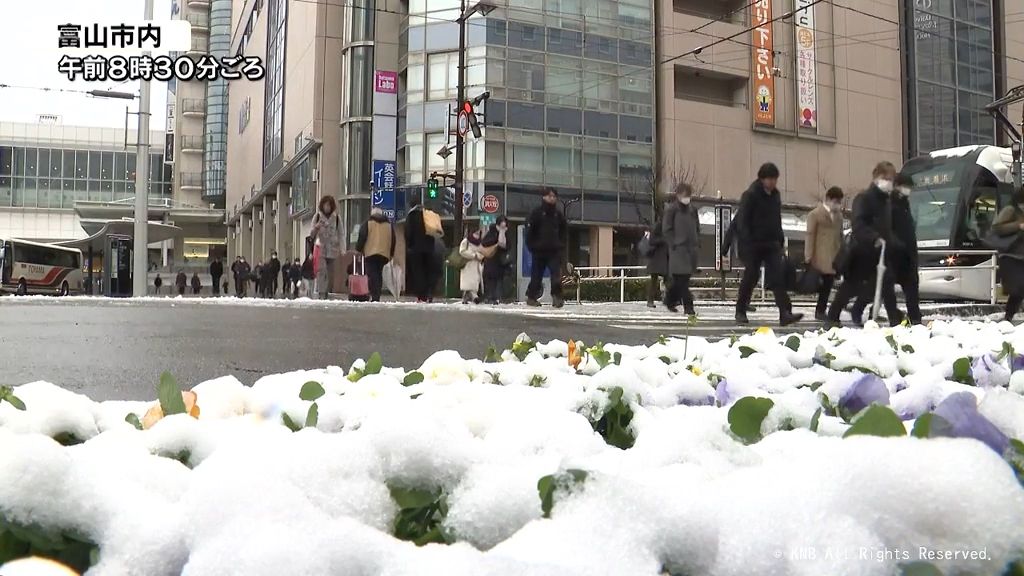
(651, 304)
(557, 302)
(532, 302)
(790, 318)
(741, 318)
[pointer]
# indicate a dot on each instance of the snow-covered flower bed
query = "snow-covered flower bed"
(872, 452)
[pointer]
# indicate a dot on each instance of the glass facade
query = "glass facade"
(216, 129)
(952, 74)
(357, 109)
(57, 178)
(571, 105)
(273, 117)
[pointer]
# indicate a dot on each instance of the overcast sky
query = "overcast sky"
(28, 45)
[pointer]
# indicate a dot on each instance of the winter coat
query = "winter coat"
(494, 267)
(181, 280)
(760, 218)
(216, 269)
(824, 238)
(242, 270)
(158, 282)
(286, 270)
(295, 272)
(872, 220)
(545, 234)
(472, 270)
(377, 238)
(657, 252)
(327, 229)
(902, 254)
(1011, 262)
(417, 241)
(257, 273)
(273, 268)
(197, 284)
(681, 233)
(308, 271)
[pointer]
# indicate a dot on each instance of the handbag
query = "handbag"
(317, 252)
(432, 224)
(488, 251)
(359, 283)
(455, 258)
(809, 282)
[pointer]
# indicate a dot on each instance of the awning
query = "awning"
(100, 230)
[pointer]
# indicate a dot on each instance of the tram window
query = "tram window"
(981, 214)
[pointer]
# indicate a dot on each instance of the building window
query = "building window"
(724, 10)
(710, 87)
(442, 75)
(274, 82)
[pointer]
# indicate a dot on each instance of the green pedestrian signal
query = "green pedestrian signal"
(432, 188)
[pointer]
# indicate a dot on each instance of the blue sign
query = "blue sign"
(385, 179)
(527, 262)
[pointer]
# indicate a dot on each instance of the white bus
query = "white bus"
(34, 268)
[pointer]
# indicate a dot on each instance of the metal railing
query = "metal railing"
(193, 106)
(191, 143)
(619, 274)
(191, 179)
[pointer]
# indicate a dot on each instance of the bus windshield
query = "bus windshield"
(934, 211)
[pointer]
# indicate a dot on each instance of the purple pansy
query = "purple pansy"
(867, 390)
(985, 367)
(962, 420)
(722, 393)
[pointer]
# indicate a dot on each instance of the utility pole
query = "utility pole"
(140, 260)
(460, 141)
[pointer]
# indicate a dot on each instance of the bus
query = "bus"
(956, 196)
(34, 268)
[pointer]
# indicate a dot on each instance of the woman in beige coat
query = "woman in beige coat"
(824, 238)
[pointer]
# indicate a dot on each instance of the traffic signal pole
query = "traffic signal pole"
(460, 141)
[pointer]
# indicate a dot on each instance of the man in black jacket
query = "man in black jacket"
(872, 226)
(759, 229)
(419, 254)
(286, 267)
(545, 238)
(272, 269)
(901, 261)
(216, 271)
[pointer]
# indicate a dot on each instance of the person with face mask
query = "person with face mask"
(872, 226)
(273, 269)
(495, 246)
(681, 233)
(759, 228)
(824, 238)
(545, 238)
(327, 232)
(1010, 223)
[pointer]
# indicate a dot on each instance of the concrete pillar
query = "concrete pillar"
(284, 244)
(245, 236)
(257, 234)
(601, 244)
(269, 225)
(232, 245)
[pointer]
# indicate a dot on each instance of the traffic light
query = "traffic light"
(432, 188)
(474, 123)
(449, 201)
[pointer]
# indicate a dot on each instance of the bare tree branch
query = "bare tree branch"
(648, 188)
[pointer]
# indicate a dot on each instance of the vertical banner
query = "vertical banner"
(806, 64)
(763, 64)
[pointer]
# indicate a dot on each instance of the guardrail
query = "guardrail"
(619, 274)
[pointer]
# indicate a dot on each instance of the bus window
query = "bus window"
(981, 214)
(934, 213)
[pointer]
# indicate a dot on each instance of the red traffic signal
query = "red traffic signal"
(467, 107)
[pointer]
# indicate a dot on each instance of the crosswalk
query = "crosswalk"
(716, 320)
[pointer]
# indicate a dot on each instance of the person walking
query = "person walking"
(158, 282)
(655, 251)
(759, 231)
(181, 282)
(376, 243)
(824, 239)
(872, 227)
(1009, 224)
(496, 243)
(681, 231)
(295, 277)
(257, 278)
(308, 275)
(197, 284)
(472, 269)
(216, 271)
(286, 267)
(327, 234)
(242, 271)
(545, 238)
(419, 254)
(272, 271)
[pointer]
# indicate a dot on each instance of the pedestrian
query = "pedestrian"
(824, 239)
(872, 226)
(181, 282)
(157, 283)
(419, 254)
(472, 268)
(435, 272)
(1009, 224)
(545, 238)
(216, 271)
(681, 231)
(327, 234)
(308, 275)
(197, 284)
(295, 277)
(257, 279)
(495, 245)
(225, 287)
(759, 231)
(241, 272)
(376, 243)
(655, 251)
(272, 271)
(286, 281)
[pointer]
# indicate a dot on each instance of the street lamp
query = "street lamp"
(483, 8)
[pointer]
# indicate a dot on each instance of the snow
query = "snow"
(236, 492)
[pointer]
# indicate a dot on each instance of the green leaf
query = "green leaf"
(374, 364)
(1014, 456)
(962, 371)
(662, 340)
(665, 359)
(133, 419)
(412, 378)
(492, 355)
(311, 391)
(617, 358)
(815, 420)
(600, 355)
(538, 380)
(313, 416)
(170, 395)
(746, 351)
(287, 420)
(907, 348)
(746, 416)
(877, 420)
(522, 347)
(570, 480)
(892, 342)
(355, 375)
(923, 426)
(67, 439)
(919, 568)
(816, 385)
(793, 342)
(13, 400)
(412, 498)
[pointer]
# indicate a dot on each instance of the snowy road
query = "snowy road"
(116, 349)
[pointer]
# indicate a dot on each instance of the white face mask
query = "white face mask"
(684, 199)
(884, 185)
(903, 190)
(834, 206)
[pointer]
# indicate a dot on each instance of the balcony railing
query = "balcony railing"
(191, 180)
(193, 107)
(199, 21)
(192, 144)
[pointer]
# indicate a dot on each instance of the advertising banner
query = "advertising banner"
(806, 65)
(763, 64)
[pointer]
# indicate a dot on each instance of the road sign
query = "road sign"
(723, 217)
(385, 180)
(487, 220)
(467, 198)
(463, 123)
(490, 204)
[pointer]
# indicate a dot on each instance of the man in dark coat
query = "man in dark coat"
(216, 271)
(872, 226)
(760, 232)
(241, 271)
(286, 278)
(180, 282)
(271, 270)
(545, 238)
(901, 261)
(419, 254)
(295, 277)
